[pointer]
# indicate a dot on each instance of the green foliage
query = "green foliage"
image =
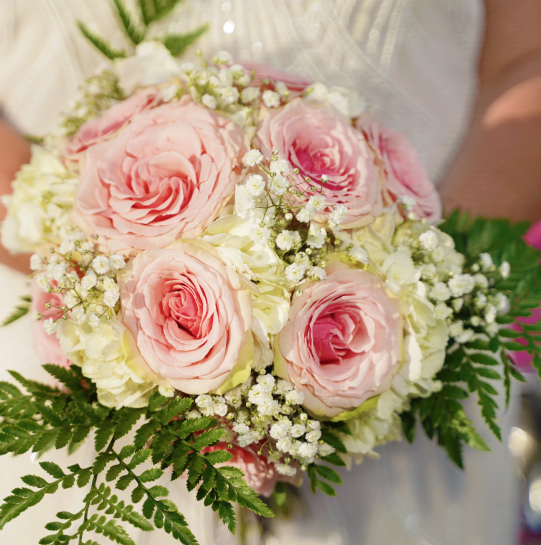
(472, 367)
(178, 43)
(136, 24)
(44, 417)
(19, 311)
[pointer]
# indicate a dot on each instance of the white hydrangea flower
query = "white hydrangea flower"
(486, 261)
(252, 158)
(317, 202)
(49, 326)
(93, 319)
(267, 382)
(110, 298)
(280, 166)
(306, 214)
(442, 311)
(209, 101)
(271, 99)
(294, 397)
(287, 240)
(286, 469)
(117, 262)
(338, 215)
(259, 234)
(358, 254)
(279, 184)
(297, 430)
(505, 269)
(461, 284)
(101, 264)
(295, 272)
(440, 292)
(307, 450)
(317, 272)
(204, 401)
(255, 185)
(90, 280)
(313, 436)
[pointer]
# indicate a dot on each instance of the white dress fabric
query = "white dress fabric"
(414, 61)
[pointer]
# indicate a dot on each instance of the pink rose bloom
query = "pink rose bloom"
(47, 346)
(319, 143)
(100, 129)
(259, 473)
(296, 83)
(405, 174)
(342, 343)
(165, 176)
(189, 314)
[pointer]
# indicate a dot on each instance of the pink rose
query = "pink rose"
(296, 83)
(100, 129)
(47, 346)
(259, 473)
(166, 176)
(319, 143)
(342, 344)
(405, 174)
(189, 314)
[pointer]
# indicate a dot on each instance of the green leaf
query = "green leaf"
(178, 43)
(150, 475)
(52, 469)
(218, 456)
(484, 359)
(100, 43)
(514, 346)
(333, 440)
(227, 515)
(139, 457)
(334, 459)
(19, 311)
(488, 373)
(210, 437)
(124, 481)
(35, 481)
(143, 434)
(176, 407)
(130, 27)
(110, 529)
(156, 400)
(113, 472)
(127, 418)
(329, 473)
(194, 424)
(326, 488)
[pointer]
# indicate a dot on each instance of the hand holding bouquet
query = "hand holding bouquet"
(247, 270)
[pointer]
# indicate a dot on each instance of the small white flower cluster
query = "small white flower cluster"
(266, 409)
(466, 300)
(87, 297)
(268, 202)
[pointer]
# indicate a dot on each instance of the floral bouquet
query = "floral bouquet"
(248, 273)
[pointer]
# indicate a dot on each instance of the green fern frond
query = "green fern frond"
(19, 311)
(178, 43)
(100, 43)
(129, 25)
